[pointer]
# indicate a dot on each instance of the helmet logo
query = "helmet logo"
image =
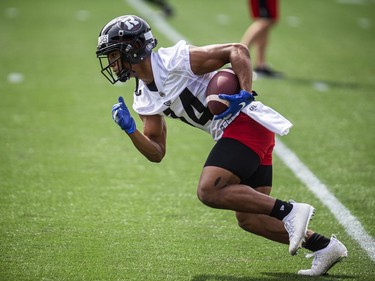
(103, 39)
(129, 21)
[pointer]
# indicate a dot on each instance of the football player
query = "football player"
(237, 174)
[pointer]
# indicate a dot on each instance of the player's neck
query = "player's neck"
(144, 71)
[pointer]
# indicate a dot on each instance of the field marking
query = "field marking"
(355, 2)
(350, 223)
(15, 77)
(320, 86)
(158, 21)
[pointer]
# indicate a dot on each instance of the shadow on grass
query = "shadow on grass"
(271, 276)
(321, 83)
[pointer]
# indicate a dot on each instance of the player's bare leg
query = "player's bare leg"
(219, 188)
(256, 31)
(326, 252)
(265, 226)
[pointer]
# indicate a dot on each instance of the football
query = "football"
(224, 81)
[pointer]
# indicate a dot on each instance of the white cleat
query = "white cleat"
(325, 258)
(296, 223)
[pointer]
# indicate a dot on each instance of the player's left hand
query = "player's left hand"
(236, 103)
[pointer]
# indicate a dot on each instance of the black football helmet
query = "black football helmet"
(130, 35)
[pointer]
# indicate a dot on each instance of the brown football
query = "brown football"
(224, 81)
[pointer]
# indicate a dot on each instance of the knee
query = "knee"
(207, 195)
(212, 187)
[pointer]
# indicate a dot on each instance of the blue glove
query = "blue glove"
(121, 115)
(237, 102)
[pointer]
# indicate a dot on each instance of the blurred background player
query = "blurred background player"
(265, 14)
(164, 6)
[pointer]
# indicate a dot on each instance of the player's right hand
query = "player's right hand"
(121, 115)
(237, 103)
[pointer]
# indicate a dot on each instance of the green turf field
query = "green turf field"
(77, 202)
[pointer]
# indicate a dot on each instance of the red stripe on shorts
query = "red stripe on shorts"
(253, 135)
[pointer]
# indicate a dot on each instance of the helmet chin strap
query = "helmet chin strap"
(136, 91)
(125, 76)
(125, 73)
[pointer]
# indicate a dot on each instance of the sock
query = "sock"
(316, 242)
(281, 209)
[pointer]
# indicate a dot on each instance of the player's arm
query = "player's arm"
(152, 142)
(212, 57)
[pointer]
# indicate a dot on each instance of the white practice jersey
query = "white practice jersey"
(180, 93)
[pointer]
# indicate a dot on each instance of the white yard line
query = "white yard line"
(351, 224)
(157, 19)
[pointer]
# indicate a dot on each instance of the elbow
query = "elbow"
(238, 52)
(243, 49)
(155, 158)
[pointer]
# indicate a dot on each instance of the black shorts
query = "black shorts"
(237, 158)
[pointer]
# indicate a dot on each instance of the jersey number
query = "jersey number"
(191, 104)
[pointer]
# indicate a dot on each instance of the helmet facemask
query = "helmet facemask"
(106, 68)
